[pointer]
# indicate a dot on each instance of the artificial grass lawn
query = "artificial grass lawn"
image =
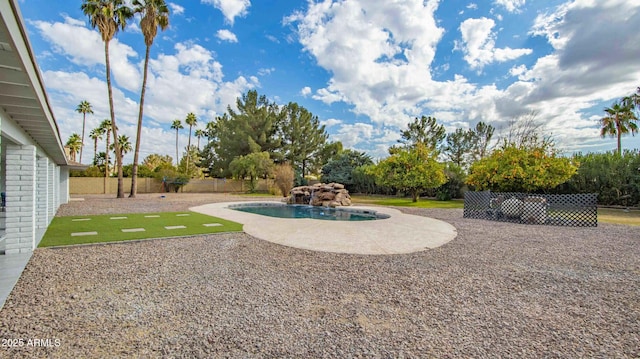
(110, 230)
(406, 202)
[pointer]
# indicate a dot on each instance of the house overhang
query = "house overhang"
(22, 93)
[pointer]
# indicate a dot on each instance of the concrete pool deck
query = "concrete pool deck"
(400, 233)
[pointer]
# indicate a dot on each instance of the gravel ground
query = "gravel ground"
(497, 290)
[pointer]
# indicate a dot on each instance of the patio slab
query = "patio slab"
(400, 233)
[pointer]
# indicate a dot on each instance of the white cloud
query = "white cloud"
(518, 70)
(511, 5)
(472, 6)
(352, 134)
(134, 28)
(230, 8)
(272, 38)
(176, 9)
(331, 122)
(188, 80)
(226, 35)
(478, 44)
(84, 47)
(306, 91)
(266, 71)
(379, 53)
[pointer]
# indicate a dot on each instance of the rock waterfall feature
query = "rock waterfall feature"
(320, 194)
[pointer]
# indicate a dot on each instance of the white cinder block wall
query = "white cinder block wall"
(32, 185)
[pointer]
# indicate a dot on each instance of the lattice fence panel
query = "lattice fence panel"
(573, 210)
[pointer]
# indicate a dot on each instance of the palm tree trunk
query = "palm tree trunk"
(186, 169)
(84, 122)
(106, 162)
(134, 169)
(619, 135)
(114, 127)
(95, 149)
(176, 148)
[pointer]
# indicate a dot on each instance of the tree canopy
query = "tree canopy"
(425, 130)
(302, 136)
(412, 170)
(518, 169)
(287, 133)
(341, 168)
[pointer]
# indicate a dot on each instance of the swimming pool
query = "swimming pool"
(279, 210)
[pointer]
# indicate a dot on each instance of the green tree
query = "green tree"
(191, 120)
(107, 127)
(109, 16)
(199, 134)
(188, 165)
(411, 170)
(177, 125)
(156, 160)
(458, 146)
(74, 144)
(210, 131)
(481, 136)
(620, 120)
(328, 152)
(124, 145)
(341, 168)
(303, 138)
(253, 165)
(518, 169)
(425, 130)
(252, 128)
(101, 162)
(84, 108)
(154, 14)
(615, 178)
(96, 134)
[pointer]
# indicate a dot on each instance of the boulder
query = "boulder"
(320, 194)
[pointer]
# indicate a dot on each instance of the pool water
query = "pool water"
(302, 211)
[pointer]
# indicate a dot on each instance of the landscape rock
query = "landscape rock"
(320, 194)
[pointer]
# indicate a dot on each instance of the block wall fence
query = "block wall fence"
(99, 185)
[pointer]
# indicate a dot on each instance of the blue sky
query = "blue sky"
(365, 67)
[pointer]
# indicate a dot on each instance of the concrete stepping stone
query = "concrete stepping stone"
(80, 219)
(152, 216)
(182, 215)
(212, 224)
(128, 230)
(78, 234)
(175, 227)
(117, 217)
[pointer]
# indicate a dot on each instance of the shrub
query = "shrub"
(284, 178)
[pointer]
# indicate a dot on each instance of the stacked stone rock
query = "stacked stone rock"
(320, 194)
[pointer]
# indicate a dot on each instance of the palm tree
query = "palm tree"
(107, 128)
(620, 120)
(633, 101)
(74, 144)
(154, 13)
(84, 108)
(109, 16)
(210, 130)
(191, 120)
(199, 134)
(124, 145)
(177, 125)
(96, 134)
